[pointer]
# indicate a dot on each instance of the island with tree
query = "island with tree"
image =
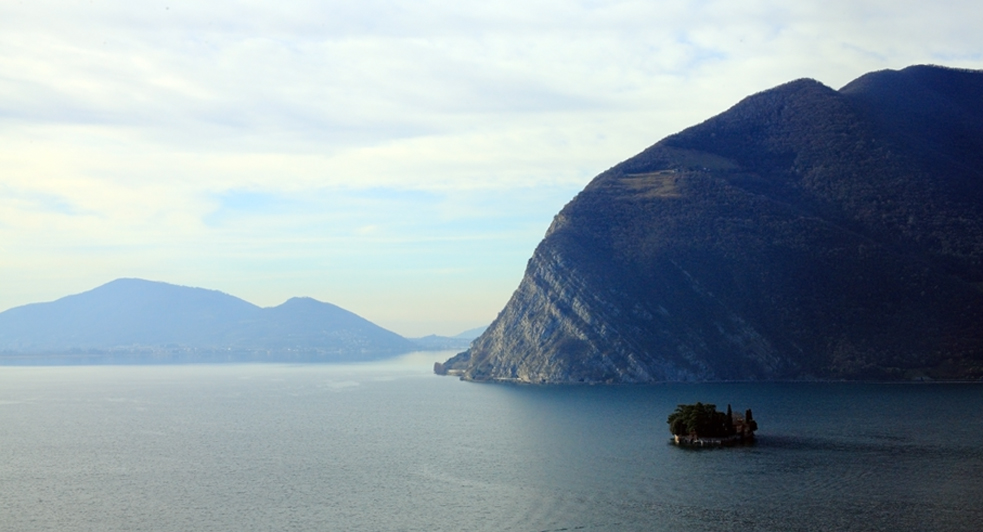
(701, 425)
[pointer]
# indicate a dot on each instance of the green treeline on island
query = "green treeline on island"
(701, 421)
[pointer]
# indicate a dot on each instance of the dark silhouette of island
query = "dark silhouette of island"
(806, 233)
(701, 425)
(133, 320)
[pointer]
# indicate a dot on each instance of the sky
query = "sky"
(399, 159)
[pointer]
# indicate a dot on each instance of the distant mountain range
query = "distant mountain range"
(462, 340)
(471, 334)
(805, 233)
(136, 320)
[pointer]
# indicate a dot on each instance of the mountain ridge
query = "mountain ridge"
(805, 233)
(135, 317)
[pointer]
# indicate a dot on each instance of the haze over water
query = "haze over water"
(391, 447)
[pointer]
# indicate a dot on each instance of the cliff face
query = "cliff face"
(806, 233)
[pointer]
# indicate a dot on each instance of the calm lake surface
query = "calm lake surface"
(389, 446)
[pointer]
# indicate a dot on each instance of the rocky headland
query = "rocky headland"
(806, 233)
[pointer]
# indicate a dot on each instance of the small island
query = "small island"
(701, 425)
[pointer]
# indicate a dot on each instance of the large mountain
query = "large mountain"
(134, 319)
(805, 233)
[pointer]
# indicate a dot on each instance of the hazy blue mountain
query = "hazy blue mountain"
(805, 233)
(134, 317)
(304, 323)
(471, 334)
(435, 342)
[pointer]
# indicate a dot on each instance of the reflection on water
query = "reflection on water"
(389, 446)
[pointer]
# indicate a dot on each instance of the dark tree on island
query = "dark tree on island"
(748, 420)
(701, 419)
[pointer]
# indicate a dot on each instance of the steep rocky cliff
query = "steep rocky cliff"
(806, 233)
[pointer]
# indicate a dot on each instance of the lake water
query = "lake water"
(389, 446)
